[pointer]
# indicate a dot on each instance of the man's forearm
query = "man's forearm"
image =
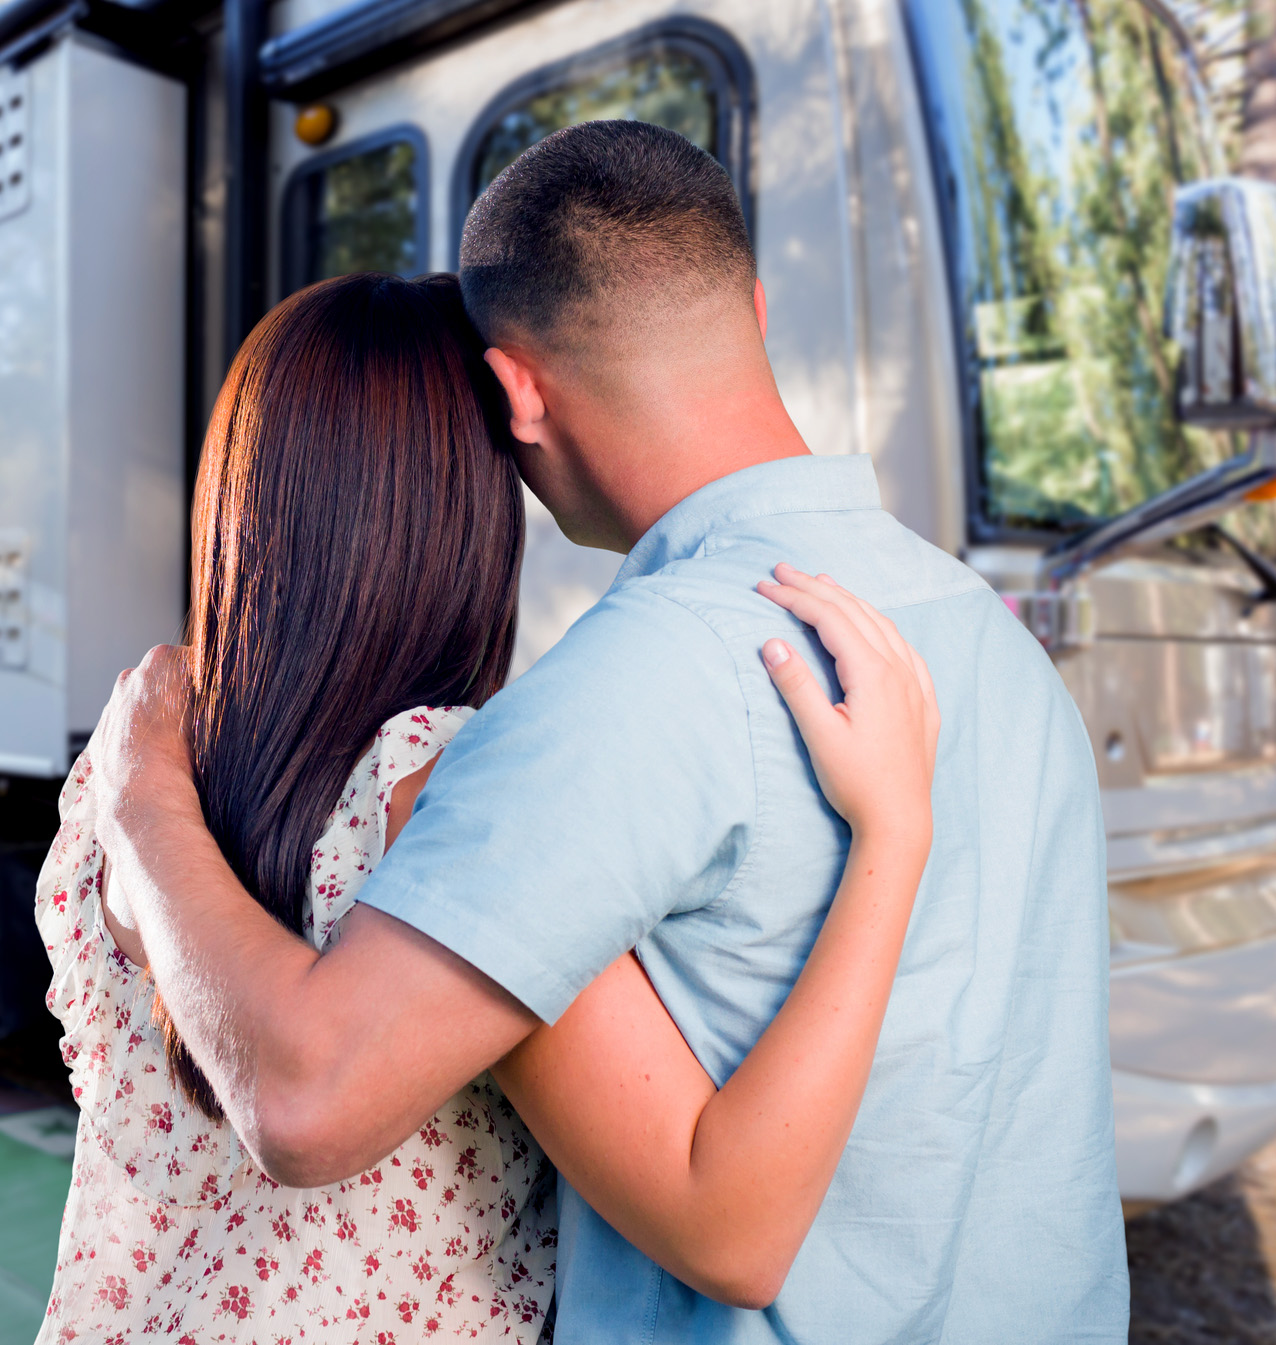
(223, 965)
(323, 1064)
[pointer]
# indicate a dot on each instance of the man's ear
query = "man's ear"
(527, 406)
(759, 305)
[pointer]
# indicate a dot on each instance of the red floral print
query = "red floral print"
(236, 1301)
(403, 1215)
(171, 1229)
(114, 1290)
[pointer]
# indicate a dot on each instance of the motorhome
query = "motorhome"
(1006, 254)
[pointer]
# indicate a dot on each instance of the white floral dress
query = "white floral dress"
(172, 1230)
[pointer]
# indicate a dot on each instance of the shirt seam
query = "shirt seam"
(976, 583)
(653, 1305)
(979, 586)
(716, 528)
(719, 523)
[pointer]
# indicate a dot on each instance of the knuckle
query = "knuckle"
(792, 673)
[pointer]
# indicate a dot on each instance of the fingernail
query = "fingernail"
(783, 565)
(775, 652)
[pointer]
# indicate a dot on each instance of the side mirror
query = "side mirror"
(1221, 303)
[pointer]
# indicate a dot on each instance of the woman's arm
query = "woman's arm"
(721, 1187)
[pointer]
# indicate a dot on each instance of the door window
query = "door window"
(688, 76)
(360, 208)
(1060, 131)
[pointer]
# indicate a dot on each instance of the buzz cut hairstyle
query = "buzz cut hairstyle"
(621, 214)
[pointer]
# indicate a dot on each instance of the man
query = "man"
(643, 785)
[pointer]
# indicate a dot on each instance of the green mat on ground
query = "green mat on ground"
(33, 1187)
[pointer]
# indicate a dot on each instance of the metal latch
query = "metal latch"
(1060, 619)
(14, 621)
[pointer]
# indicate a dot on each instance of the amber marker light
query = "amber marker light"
(1267, 491)
(315, 124)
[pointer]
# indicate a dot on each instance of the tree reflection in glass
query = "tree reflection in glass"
(665, 86)
(363, 214)
(1066, 127)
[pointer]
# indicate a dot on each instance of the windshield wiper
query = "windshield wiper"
(1181, 509)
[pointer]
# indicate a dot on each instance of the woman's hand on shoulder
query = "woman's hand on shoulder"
(874, 751)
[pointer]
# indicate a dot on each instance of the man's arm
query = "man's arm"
(610, 784)
(323, 1064)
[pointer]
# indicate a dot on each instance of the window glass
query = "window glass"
(1062, 130)
(361, 213)
(662, 84)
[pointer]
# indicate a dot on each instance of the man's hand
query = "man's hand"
(140, 752)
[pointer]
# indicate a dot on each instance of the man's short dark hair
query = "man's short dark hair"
(606, 209)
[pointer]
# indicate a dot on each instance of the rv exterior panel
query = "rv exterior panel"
(91, 365)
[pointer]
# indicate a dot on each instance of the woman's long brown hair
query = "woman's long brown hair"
(357, 532)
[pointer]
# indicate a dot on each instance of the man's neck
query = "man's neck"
(699, 446)
(638, 434)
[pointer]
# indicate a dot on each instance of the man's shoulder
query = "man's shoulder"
(867, 551)
(696, 618)
(660, 608)
(641, 646)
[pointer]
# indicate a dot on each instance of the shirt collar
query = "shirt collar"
(801, 485)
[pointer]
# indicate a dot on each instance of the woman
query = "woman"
(357, 535)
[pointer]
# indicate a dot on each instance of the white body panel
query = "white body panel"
(1164, 1016)
(1174, 1137)
(91, 376)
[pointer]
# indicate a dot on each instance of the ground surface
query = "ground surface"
(1202, 1270)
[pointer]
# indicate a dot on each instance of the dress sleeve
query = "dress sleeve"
(114, 1053)
(609, 786)
(353, 841)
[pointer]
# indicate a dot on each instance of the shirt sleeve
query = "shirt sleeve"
(609, 786)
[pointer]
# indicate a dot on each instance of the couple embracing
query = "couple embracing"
(350, 944)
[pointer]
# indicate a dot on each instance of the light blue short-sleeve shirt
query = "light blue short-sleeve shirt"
(643, 785)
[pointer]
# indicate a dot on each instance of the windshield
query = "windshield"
(1060, 129)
